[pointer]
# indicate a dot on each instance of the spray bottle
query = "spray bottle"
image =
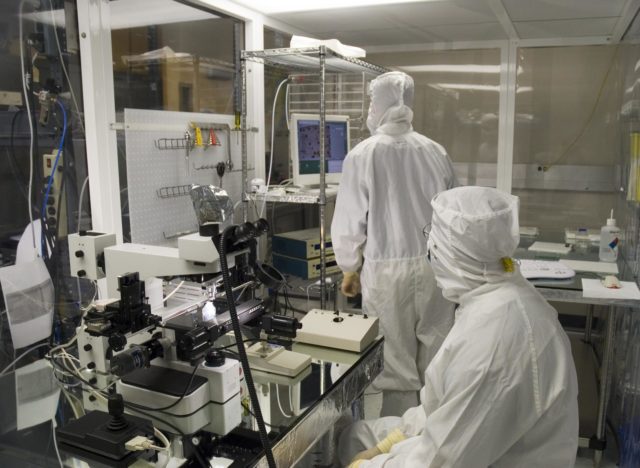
(609, 240)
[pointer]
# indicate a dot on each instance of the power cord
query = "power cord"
(262, 431)
(273, 125)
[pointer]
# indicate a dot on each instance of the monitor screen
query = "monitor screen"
(336, 145)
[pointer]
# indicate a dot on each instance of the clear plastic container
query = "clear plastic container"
(582, 240)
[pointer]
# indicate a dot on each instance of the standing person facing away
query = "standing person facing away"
(377, 238)
(502, 391)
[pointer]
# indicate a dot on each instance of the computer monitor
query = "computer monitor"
(305, 147)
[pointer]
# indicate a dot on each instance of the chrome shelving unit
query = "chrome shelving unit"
(310, 60)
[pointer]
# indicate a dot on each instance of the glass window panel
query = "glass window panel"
(566, 138)
(174, 57)
(456, 104)
(186, 65)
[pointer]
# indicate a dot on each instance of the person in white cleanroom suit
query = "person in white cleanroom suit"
(379, 217)
(502, 390)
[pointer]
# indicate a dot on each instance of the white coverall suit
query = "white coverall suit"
(380, 215)
(502, 390)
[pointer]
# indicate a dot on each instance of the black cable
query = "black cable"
(137, 406)
(184, 393)
(200, 458)
(11, 140)
(13, 160)
(127, 404)
(251, 340)
(296, 310)
(262, 431)
(151, 416)
(166, 423)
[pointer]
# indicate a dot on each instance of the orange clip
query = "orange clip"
(213, 140)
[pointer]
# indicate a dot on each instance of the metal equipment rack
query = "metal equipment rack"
(311, 60)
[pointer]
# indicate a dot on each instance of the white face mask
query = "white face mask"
(372, 119)
(449, 277)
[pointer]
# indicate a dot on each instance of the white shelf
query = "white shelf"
(305, 198)
(306, 59)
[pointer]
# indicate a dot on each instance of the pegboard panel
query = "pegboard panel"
(156, 219)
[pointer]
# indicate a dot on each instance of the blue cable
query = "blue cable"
(53, 171)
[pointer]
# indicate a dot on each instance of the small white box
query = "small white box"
(351, 332)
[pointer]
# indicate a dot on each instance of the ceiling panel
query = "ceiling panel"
(566, 28)
(469, 32)
(529, 10)
(458, 20)
(392, 36)
(348, 19)
(441, 13)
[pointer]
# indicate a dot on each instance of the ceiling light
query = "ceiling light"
(475, 87)
(454, 68)
(287, 6)
(491, 69)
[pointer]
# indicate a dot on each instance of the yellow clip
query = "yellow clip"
(507, 264)
(198, 136)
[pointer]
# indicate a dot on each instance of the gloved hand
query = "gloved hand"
(351, 283)
(365, 455)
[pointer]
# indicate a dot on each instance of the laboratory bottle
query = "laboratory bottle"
(609, 240)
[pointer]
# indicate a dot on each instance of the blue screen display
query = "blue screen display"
(336, 146)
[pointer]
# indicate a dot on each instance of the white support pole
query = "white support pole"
(99, 112)
(508, 75)
(254, 40)
(624, 21)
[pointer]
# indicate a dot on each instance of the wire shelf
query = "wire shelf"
(173, 191)
(305, 198)
(174, 143)
(307, 59)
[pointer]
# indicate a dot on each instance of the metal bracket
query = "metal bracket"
(249, 129)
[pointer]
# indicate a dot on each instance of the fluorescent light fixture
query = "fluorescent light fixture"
(475, 87)
(455, 68)
(127, 14)
(288, 6)
(489, 69)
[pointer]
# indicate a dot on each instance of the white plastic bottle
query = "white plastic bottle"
(609, 240)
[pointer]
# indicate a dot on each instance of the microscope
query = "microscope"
(162, 362)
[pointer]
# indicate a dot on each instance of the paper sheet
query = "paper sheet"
(539, 269)
(550, 247)
(334, 44)
(28, 297)
(595, 267)
(593, 288)
(37, 394)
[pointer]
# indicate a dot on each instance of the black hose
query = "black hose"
(244, 361)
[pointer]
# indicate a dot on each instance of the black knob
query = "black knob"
(87, 347)
(116, 410)
(117, 341)
(262, 226)
(92, 398)
(51, 201)
(51, 210)
(79, 253)
(81, 273)
(214, 358)
(91, 365)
